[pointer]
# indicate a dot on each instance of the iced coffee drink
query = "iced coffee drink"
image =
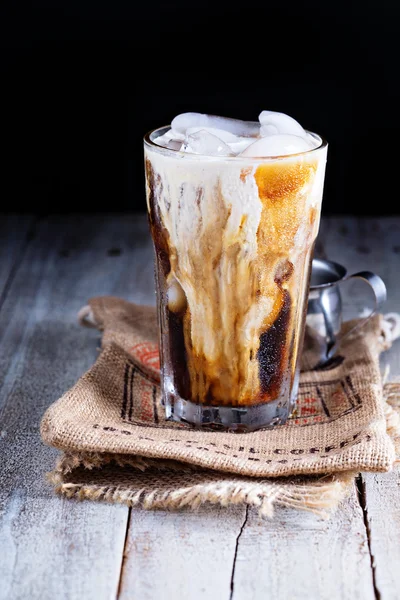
(234, 211)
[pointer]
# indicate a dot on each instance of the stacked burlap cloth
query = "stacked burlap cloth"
(117, 446)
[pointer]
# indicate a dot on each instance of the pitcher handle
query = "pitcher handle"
(380, 294)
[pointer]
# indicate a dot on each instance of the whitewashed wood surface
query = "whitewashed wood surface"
(54, 548)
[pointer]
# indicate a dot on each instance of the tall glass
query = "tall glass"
(233, 239)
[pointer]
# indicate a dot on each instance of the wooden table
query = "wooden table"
(56, 548)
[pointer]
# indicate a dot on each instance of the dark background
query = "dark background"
(83, 81)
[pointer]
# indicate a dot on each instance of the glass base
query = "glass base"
(233, 418)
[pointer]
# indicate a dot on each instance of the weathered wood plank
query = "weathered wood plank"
(186, 555)
(15, 232)
(382, 510)
(53, 547)
(299, 555)
(375, 245)
(382, 492)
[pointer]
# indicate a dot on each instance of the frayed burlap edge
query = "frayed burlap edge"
(69, 461)
(320, 495)
(391, 396)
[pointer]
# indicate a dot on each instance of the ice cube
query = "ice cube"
(278, 145)
(241, 144)
(185, 121)
(162, 140)
(204, 142)
(170, 140)
(225, 136)
(273, 123)
(174, 145)
(236, 143)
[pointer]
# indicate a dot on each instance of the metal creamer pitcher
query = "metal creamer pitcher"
(324, 312)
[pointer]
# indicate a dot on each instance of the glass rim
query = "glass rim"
(151, 144)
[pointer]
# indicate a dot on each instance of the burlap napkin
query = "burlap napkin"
(118, 446)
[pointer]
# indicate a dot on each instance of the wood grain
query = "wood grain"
(53, 547)
(15, 234)
(186, 554)
(382, 511)
(382, 492)
(302, 556)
